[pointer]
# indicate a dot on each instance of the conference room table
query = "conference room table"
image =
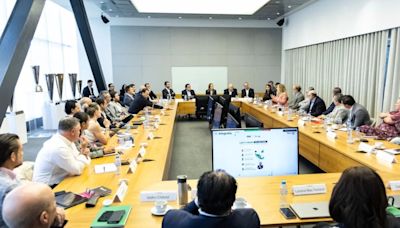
(262, 193)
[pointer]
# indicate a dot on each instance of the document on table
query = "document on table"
(105, 168)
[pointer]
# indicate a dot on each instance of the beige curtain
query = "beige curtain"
(355, 64)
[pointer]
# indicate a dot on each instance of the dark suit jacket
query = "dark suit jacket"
(128, 100)
(165, 93)
(213, 92)
(267, 95)
(330, 109)
(86, 92)
(184, 92)
(318, 108)
(189, 217)
(139, 103)
(251, 92)
(152, 95)
(359, 116)
(234, 93)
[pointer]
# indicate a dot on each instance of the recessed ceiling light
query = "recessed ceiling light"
(278, 13)
(269, 18)
(199, 6)
(148, 17)
(240, 18)
(210, 18)
(289, 6)
(179, 17)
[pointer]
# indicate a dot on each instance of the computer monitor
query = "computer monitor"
(216, 123)
(256, 152)
(231, 122)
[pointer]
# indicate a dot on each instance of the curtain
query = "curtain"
(356, 64)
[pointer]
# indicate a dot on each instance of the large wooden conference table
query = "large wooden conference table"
(333, 156)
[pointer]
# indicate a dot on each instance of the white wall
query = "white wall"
(327, 20)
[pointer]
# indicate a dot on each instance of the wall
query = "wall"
(146, 54)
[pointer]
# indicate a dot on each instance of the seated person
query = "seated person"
(84, 102)
(390, 128)
(31, 205)
(188, 93)
(59, 156)
(359, 200)
(358, 114)
(72, 107)
(114, 109)
(216, 192)
(268, 93)
(306, 102)
(247, 91)
(317, 105)
(152, 95)
(211, 91)
(129, 95)
(297, 98)
(271, 83)
(142, 101)
(167, 91)
(111, 87)
(231, 91)
(335, 91)
(103, 120)
(339, 114)
(281, 97)
(94, 132)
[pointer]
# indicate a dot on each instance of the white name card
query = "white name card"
(309, 189)
(150, 196)
(385, 157)
(301, 123)
(331, 135)
(150, 136)
(132, 167)
(394, 185)
(142, 151)
(121, 192)
(364, 147)
(280, 113)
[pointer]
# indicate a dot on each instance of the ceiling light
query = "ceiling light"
(240, 18)
(269, 18)
(199, 6)
(210, 18)
(148, 17)
(179, 17)
(289, 6)
(101, 2)
(278, 13)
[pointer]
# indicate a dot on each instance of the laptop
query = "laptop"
(311, 210)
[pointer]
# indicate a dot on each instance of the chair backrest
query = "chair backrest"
(251, 121)
(201, 104)
(235, 112)
(210, 108)
(216, 122)
(224, 101)
(231, 122)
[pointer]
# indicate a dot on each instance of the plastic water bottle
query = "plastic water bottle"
(289, 116)
(349, 132)
(118, 164)
(283, 194)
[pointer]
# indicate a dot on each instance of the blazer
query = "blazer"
(165, 93)
(128, 99)
(267, 95)
(339, 114)
(213, 92)
(359, 116)
(251, 93)
(294, 104)
(184, 92)
(234, 92)
(317, 108)
(139, 103)
(329, 109)
(189, 217)
(152, 95)
(88, 92)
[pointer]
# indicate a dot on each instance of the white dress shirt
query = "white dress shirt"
(58, 159)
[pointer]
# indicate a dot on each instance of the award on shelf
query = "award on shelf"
(50, 85)
(38, 88)
(72, 80)
(60, 83)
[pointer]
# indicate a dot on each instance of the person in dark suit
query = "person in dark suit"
(317, 105)
(88, 90)
(358, 114)
(247, 91)
(129, 95)
(142, 101)
(211, 91)
(335, 91)
(167, 91)
(152, 95)
(188, 92)
(231, 91)
(268, 93)
(216, 192)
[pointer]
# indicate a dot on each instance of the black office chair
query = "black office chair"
(251, 121)
(235, 112)
(224, 101)
(201, 106)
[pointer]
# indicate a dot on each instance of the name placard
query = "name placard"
(121, 192)
(142, 151)
(331, 135)
(132, 167)
(385, 157)
(150, 196)
(309, 189)
(394, 185)
(280, 113)
(301, 123)
(150, 136)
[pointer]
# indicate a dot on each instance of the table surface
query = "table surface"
(261, 192)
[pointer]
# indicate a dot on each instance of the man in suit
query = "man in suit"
(142, 101)
(188, 92)
(317, 105)
(152, 95)
(335, 91)
(216, 192)
(129, 95)
(88, 90)
(167, 91)
(247, 91)
(358, 114)
(298, 97)
(231, 91)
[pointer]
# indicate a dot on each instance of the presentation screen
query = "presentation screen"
(256, 152)
(199, 77)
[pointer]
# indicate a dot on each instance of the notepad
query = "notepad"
(105, 168)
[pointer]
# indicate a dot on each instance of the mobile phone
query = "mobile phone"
(105, 216)
(287, 213)
(116, 217)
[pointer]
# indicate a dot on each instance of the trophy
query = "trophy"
(79, 85)
(50, 85)
(72, 80)
(38, 88)
(60, 83)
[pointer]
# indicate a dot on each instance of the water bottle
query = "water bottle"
(358, 133)
(182, 190)
(118, 163)
(349, 132)
(289, 116)
(283, 194)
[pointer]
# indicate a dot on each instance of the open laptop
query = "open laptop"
(311, 210)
